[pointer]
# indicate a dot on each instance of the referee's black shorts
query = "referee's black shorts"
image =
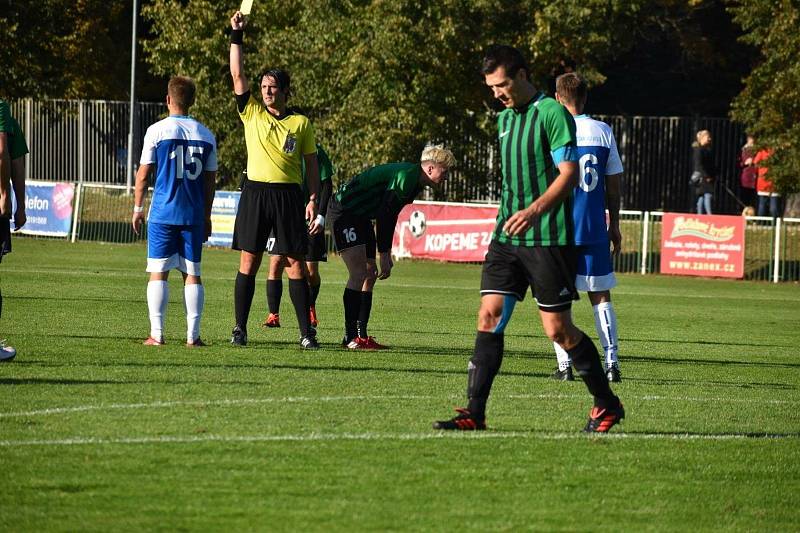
(548, 270)
(271, 209)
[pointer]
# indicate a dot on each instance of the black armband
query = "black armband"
(237, 37)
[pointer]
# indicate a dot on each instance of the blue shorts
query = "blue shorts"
(170, 246)
(595, 271)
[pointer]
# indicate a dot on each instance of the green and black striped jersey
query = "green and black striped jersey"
(364, 194)
(528, 137)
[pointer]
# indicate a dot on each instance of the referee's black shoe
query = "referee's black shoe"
(465, 421)
(563, 375)
(238, 336)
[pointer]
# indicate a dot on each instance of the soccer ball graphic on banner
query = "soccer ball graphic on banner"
(416, 223)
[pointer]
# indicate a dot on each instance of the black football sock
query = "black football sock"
(363, 313)
(298, 292)
(243, 293)
(274, 293)
(586, 361)
(483, 367)
(314, 293)
(352, 304)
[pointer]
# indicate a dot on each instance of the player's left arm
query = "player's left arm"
(612, 204)
(385, 222)
(139, 192)
(560, 128)
(210, 183)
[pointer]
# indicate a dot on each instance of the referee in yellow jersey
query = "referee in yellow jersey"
(278, 141)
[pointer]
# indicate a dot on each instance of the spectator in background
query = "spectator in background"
(766, 192)
(749, 173)
(704, 173)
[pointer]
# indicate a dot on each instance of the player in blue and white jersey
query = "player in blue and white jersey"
(183, 153)
(600, 170)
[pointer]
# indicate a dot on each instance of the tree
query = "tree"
(769, 105)
(66, 49)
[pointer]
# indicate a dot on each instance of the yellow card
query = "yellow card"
(247, 6)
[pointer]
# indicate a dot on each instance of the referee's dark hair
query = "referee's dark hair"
(508, 57)
(571, 88)
(181, 90)
(281, 77)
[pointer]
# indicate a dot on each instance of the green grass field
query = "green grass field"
(100, 433)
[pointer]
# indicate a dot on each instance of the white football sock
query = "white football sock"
(193, 298)
(157, 298)
(562, 356)
(605, 321)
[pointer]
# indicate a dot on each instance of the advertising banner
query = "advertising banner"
(48, 208)
(444, 231)
(702, 245)
(223, 215)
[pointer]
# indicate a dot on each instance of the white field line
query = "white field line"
(312, 399)
(745, 295)
(316, 437)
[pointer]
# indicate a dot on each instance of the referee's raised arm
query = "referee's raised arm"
(240, 85)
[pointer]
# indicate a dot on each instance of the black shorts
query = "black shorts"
(351, 230)
(267, 209)
(317, 248)
(5, 237)
(548, 270)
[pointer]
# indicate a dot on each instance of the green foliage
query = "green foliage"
(380, 78)
(65, 48)
(769, 105)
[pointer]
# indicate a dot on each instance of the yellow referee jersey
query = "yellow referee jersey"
(275, 147)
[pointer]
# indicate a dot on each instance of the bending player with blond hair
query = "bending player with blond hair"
(378, 194)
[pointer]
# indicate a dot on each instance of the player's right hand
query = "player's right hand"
(238, 22)
(136, 222)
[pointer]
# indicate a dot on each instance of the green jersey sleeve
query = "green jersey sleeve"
(326, 170)
(558, 123)
(18, 146)
(5, 117)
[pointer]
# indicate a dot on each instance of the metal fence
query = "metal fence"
(80, 140)
(772, 246)
(86, 141)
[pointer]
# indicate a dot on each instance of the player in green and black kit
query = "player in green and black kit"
(12, 171)
(317, 250)
(532, 242)
(376, 194)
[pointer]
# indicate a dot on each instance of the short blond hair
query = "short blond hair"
(437, 153)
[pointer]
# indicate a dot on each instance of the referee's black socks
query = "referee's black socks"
(586, 361)
(483, 367)
(243, 293)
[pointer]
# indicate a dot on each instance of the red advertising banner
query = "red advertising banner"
(444, 231)
(702, 245)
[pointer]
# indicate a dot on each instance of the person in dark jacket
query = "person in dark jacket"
(704, 173)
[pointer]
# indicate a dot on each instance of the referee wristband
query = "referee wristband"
(237, 37)
(138, 209)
